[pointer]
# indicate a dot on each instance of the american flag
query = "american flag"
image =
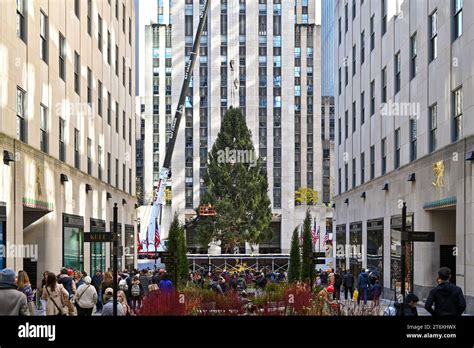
(157, 236)
(326, 237)
(314, 234)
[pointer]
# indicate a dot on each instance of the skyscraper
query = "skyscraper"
(260, 56)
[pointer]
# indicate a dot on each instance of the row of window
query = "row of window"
(457, 97)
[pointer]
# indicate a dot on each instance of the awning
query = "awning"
(33, 210)
(440, 204)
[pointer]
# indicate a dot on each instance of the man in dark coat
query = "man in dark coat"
(348, 283)
(447, 298)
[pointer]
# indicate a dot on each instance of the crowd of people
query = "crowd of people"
(76, 293)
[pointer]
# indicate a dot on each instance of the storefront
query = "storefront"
(97, 253)
(355, 241)
(341, 248)
(3, 234)
(130, 242)
(395, 255)
(73, 241)
(120, 245)
(375, 247)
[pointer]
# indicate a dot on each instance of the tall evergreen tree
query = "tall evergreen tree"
(294, 269)
(177, 248)
(237, 188)
(307, 264)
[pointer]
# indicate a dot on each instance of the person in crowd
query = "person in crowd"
(260, 283)
(337, 285)
(24, 286)
(86, 298)
(56, 297)
(155, 279)
(79, 278)
(145, 280)
(97, 280)
(447, 298)
(12, 301)
(122, 299)
(67, 282)
(363, 286)
(376, 292)
(324, 300)
(108, 309)
(407, 309)
(165, 284)
(137, 293)
(348, 284)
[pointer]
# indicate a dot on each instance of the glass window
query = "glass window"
(20, 115)
(44, 37)
(433, 47)
(458, 5)
(73, 247)
(44, 128)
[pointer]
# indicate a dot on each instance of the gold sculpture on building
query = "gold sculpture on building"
(438, 169)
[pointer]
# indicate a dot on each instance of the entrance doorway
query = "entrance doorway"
(447, 258)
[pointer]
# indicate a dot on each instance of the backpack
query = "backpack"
(135, 290)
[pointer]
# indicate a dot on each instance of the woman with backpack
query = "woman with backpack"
(137, 294)
(86, 298)
(56, 297)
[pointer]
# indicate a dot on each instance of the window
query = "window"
(372, 33)
(109, 48)
(73, 245)
(44, 128)
(124, 124)
(123, 18)
(21, 19)
(346, 19)
(372, 162)
(413, 139)
(458, 112)
(99, 162)
(340, 30)
(99, 32)
(129, 131)
(116, 117)
(362, 47)
(339, 181)
(346, 73)
(362, 108)
(20, 114)
(44, 37)
(116, 60)
(346, 124)
(413, 56)
(89, 156)
(62, 57)
(130, 81)
(77, 73)
(384, 155)
(129, 30)
(362, 168)
(62, 142)
(384, 85)
(124, 176)
(129, 181)
(346, 177)
(384, 17)
(89, 86)
(372, 98)
(109, 108)
(340, 81)
(354, 122)
(339, 130)
(354, 59)
(397, 71)
(397, 149)
(354, 174)
(433, 45)
(116, 172)
(77, 145)
(353, 9)
(116, 9)
(123, 71)
(109, 168)
(99, 98)
(77, 8)
(458, 5)
(89, 17)
(433, 126)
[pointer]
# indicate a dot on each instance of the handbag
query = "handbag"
(63, 311)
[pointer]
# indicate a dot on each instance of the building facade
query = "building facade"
(260, 56)
(404, 135)
(67, 131)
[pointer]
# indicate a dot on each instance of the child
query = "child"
(376, 291)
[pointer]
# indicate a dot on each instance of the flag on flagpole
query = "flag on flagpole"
(314, 234)
(326, 237)
(157, 236)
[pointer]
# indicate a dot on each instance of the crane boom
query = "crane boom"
(154, 229)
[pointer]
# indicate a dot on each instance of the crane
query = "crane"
(154, 228)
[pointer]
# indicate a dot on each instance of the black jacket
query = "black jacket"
(447, 298)
(348, 280)
(407, 310)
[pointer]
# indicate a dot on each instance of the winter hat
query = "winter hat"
(87, 280)
(7, 277)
